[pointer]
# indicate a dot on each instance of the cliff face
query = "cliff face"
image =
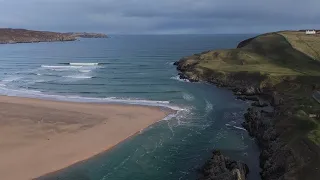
(279, 74)
(10, 36)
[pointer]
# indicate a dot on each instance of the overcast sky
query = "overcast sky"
(161, 16)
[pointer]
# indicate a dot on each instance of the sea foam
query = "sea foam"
(179, 79)
(78, 77)
(84, 64)
(75, 98)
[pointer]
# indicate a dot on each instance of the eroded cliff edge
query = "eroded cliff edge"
(280, 73)
(12, 36)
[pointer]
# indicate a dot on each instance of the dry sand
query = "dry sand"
(39, 136)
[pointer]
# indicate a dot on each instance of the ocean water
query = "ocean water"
(137, 70)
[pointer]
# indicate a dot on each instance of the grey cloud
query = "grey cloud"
(166, 16)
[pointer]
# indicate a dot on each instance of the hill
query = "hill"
(281, 69)
(11, 36)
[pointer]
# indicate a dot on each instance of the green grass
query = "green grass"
(314, 136)
(269, 53)
(288, 61)
(308, 44)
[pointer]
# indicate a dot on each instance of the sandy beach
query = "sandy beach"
(41, 136)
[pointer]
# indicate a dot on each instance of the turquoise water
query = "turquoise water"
(137, 70)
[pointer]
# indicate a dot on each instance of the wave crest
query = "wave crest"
(179, 79)
(79, 77)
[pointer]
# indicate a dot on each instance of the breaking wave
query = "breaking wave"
(79, 77)
(75, 98)
(179, 79)
(84, 64)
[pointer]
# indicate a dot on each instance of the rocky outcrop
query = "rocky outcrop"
(276, 159)
(11, 36)
(220, 167)
(279, 78)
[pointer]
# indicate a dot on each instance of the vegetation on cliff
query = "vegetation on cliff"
(10, 36)
(282, 68)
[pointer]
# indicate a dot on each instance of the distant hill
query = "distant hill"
(11, 36)
(88, 35)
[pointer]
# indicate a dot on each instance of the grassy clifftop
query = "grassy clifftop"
(271, 54)
(283, 67)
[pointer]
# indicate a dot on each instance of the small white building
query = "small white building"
(310, 32)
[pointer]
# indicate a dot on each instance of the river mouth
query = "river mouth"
(174, 148)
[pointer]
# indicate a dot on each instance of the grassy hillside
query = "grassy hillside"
(287, 63)
(269, 54)
(310, 45)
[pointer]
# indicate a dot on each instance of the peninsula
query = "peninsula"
(12, 36)
(280, 73)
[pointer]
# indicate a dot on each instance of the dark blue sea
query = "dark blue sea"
(133, 69)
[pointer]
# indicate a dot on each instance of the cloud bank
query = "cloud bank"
(161, 17)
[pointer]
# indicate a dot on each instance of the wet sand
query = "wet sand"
(41, 136)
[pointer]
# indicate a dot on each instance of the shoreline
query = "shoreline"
(283, 117)
(52, 175)
(62, 133)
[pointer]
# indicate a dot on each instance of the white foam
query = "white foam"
(179, 79)
(84, 64)
(188, 97)
(85, 71)
(78, 77)
(209, 107)
(236, 127)
(60, 67)
(11, 79)
(75, 98)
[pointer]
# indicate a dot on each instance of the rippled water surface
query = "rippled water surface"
(136, 70)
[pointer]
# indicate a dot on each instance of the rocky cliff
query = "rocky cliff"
(279, 74)
(220, 167)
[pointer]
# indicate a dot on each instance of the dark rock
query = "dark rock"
(276, 100)
(277, 160)
(267, 113)
(220, 167)
(182, 76)
(249, 98)
(259, 104)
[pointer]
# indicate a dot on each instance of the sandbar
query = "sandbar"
(42, 136)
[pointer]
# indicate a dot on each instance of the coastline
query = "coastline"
(63, 133)
(283, 117)
(14, 36)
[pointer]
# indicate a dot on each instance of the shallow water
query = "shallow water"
(137, 70)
